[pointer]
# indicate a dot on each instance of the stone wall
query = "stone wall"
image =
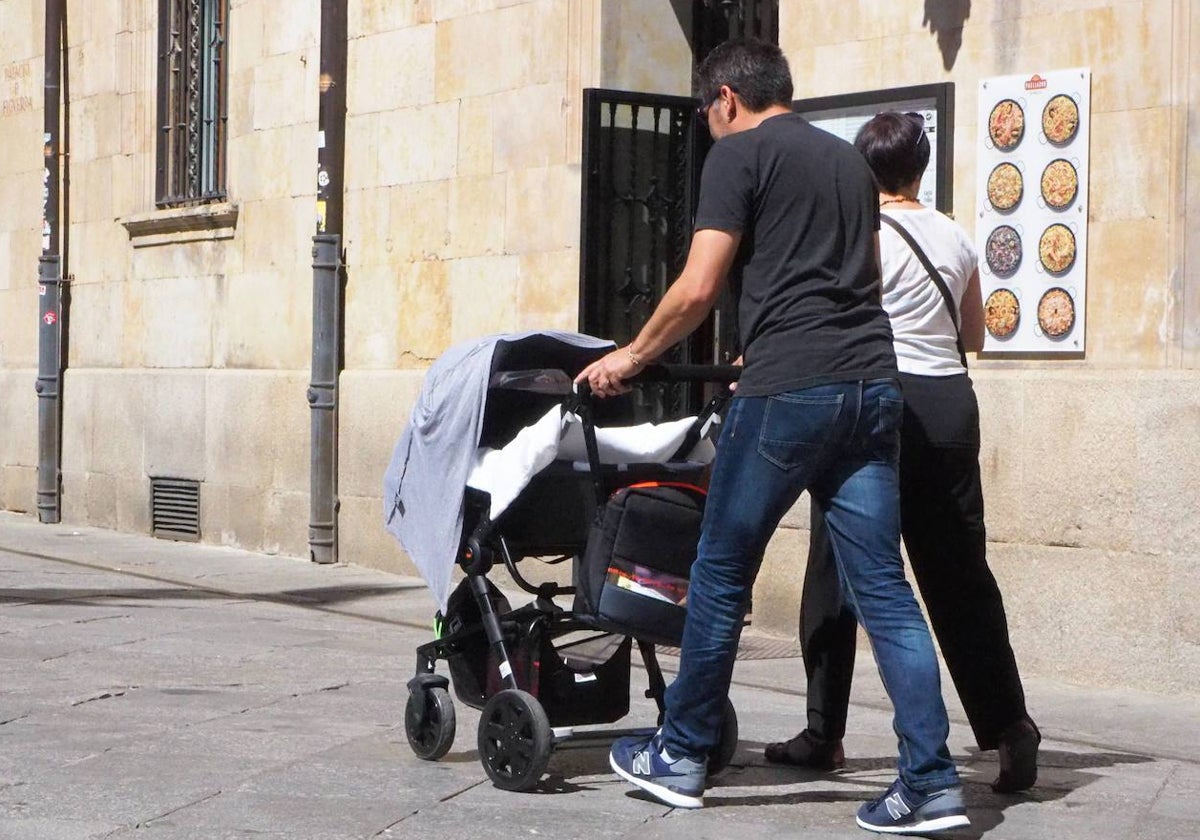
(1091, 531)
(21, 38)
(1143, 88)
(189, 352)
(462, 208)
(1091, 466)
(476, 229)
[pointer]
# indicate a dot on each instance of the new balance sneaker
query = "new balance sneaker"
(904, 811)
(677, 782)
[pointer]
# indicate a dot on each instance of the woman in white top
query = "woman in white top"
(941, 498)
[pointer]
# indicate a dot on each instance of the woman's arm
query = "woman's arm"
(971, 312)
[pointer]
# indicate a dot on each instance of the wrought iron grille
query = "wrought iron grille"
(642, 157)
(192, 36)
(638, 204)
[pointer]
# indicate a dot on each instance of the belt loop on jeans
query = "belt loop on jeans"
(862, 395)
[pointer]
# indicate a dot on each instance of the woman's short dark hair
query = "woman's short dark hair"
(755, 70)
(895, 147)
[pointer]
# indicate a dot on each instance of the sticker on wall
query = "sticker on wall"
(50, 318)
(1032, 210)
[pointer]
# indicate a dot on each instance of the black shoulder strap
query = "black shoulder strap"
(935, 276)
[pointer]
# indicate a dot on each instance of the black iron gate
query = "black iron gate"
(641, 156)
(714, 21)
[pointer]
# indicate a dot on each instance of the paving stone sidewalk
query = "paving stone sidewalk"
(166, 690)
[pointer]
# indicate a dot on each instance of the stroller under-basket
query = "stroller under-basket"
(628, 521)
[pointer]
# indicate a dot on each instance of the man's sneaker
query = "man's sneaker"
(904, 811)
(640, 760)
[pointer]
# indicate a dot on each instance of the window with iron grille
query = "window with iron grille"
(192, 38)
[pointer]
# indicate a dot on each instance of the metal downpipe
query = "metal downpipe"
(52, 295)
(328, 335)
(322, 400)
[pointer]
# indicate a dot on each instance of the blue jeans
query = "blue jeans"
(841, 443)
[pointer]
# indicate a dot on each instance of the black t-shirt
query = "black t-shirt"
(809, 310)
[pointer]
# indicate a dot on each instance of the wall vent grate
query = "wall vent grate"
(175, 509)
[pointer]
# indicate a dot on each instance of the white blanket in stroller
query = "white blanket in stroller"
(558, 436)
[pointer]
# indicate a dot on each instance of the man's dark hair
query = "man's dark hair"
(895, 147)
(754, 69)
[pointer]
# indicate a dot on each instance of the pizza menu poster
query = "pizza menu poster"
(1032, 210)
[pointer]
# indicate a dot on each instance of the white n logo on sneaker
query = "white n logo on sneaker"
(641, 763)
(896, 806)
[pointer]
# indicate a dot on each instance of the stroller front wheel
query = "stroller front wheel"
(429, 723)
(515, 740)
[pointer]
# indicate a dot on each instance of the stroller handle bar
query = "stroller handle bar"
(555, 381)
(655, 372)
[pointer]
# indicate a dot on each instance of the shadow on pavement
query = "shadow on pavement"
(100, 597)
(1061, 773)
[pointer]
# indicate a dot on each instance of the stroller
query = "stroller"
(556, 476)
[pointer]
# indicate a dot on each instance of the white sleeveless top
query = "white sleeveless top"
(924, 335)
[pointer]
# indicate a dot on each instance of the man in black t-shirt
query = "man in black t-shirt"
(806, 208)
(817, 408)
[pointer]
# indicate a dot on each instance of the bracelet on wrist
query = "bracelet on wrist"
(633, 357)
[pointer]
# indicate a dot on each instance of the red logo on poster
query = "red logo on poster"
(49, 318)
(1036, 82)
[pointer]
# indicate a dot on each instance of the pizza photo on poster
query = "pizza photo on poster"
(1056, 312)
(1001, 313)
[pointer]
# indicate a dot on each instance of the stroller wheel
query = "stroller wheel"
(430, 730)
(722, 754)
(515, 740)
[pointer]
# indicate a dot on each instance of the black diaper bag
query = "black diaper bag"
(632, 577)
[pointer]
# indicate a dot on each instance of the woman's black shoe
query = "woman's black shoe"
(807, 750)
(1018, 757)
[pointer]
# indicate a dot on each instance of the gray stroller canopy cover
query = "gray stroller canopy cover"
(425, 483)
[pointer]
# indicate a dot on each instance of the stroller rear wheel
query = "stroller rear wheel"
(726, 746)
(515, 740)
(429, 723)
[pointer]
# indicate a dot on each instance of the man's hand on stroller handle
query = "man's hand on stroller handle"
(621, 382)
(682, 308)
(606, 376)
